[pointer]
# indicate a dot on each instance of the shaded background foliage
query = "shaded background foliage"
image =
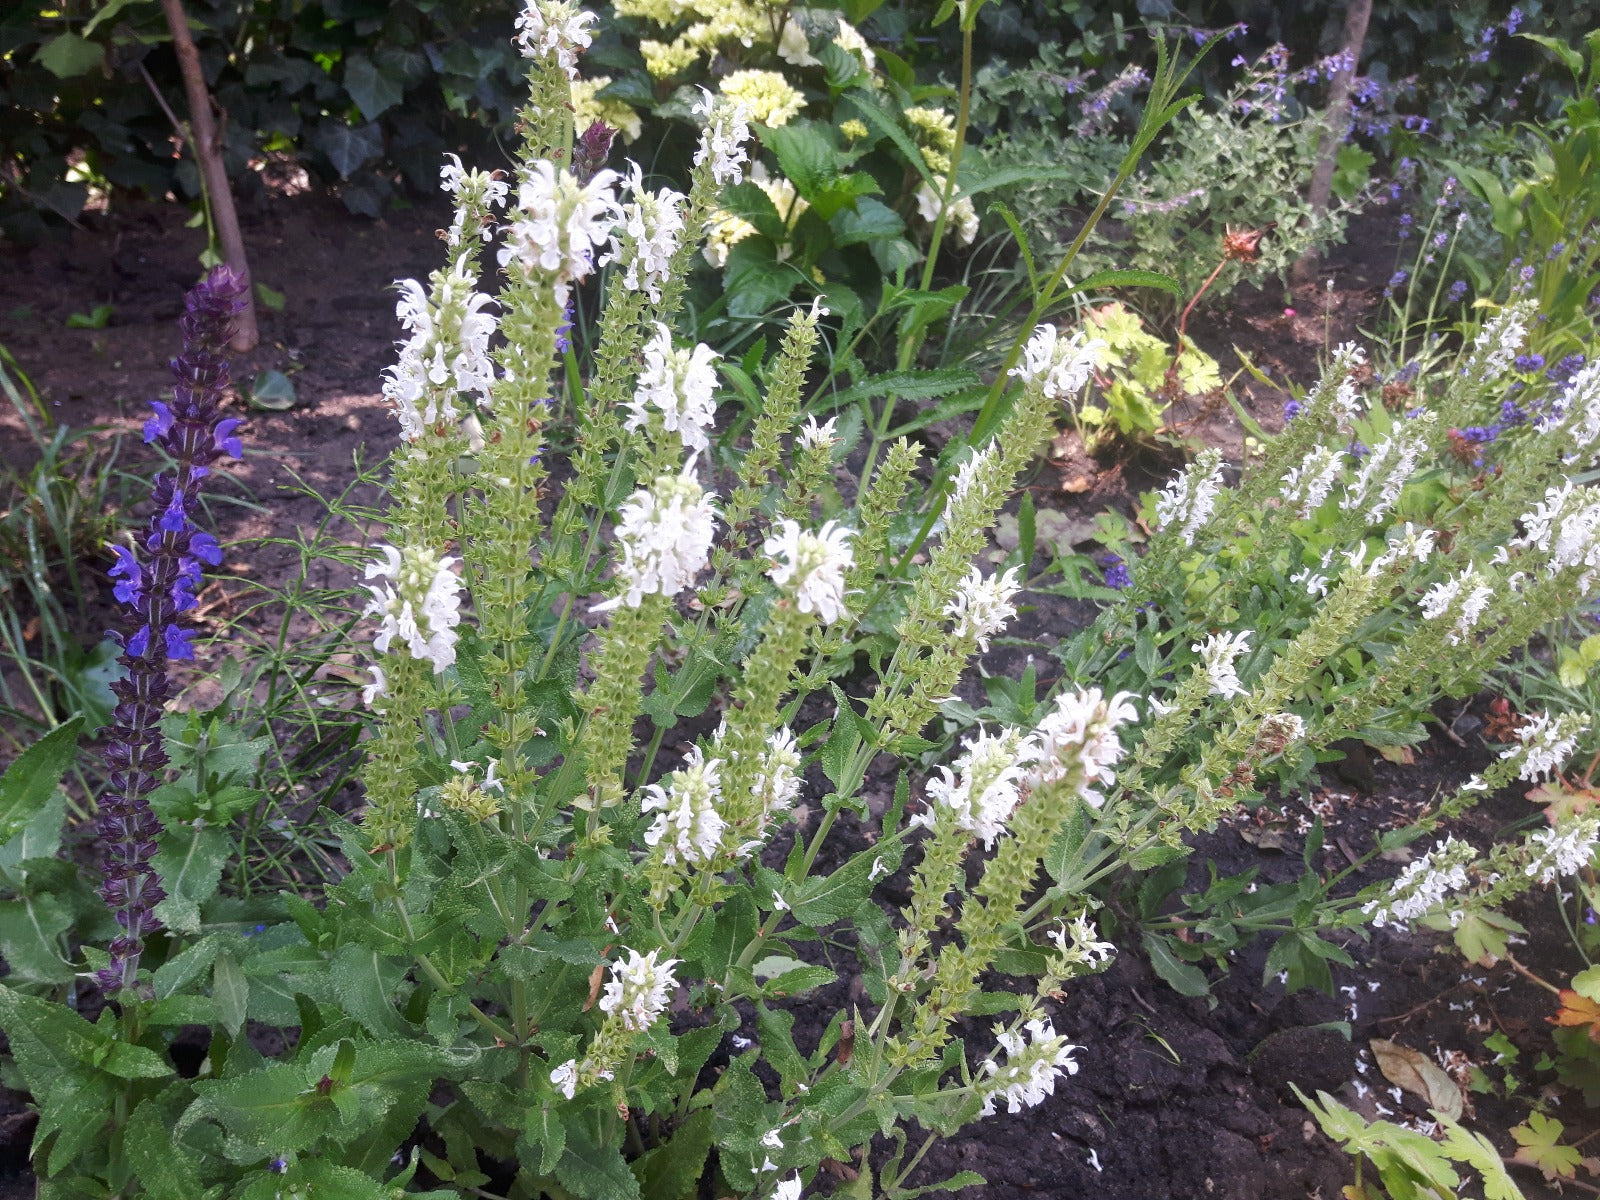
(366, 95)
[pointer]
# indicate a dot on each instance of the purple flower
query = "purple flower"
(157, 582)
(1357, 450)
(1513, 20)
(1564, 370)
(1291, 410)
(1114, 572)
(1457, 292)
(1510, 414)
(1405, 225)
(1529, 362)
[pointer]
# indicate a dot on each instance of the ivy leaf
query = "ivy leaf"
(67, 55)
(1539, 1145)
(348, 147)
(374, 90)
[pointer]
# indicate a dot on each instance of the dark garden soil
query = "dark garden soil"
(1174, 1097)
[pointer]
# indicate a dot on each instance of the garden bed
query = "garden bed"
(1174, 1097)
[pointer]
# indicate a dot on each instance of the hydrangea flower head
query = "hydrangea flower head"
(680, 385)
(812, 566)
(665, 533)
(637, 990)
(765, 95)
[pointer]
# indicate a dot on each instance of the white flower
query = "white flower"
(1464, 596)
(777, 780)
(811, 566)
(447, 353)
(814, 436)
(1030, 1069)
(1309, 484)
(1576, 415)
(555, 27)
(666, 535)
(772, 1139)
(1189, 500)
(680, 385)
(688, 828)
(984, 789)
(1546, 743)
(1344, 402)
(1566, 527)
(967, 474)
(1086, 949)
(421, 606)
(476, 192)
(1079, 735)
(1562, 850)
(560, 223)
(1499, 341)
(981, 607)
(1218, 654)
(1315, 584)
(963, 213)
(723, 142)
(651, 224)
(637, 989)
(565, 1078)
(788, 1189)
(379, 687)
(1409, 543)
(1058, 366)
(1424, 884)
(1384, 473)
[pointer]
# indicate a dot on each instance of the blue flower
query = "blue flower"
(1457, 292)
(1114, 572)
(1292, 409)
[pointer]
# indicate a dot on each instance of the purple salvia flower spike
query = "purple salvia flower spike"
(158, 581)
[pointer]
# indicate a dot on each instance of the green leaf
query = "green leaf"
(672, 1171)
(374, 91)
(30, 939)
(1128, 277)
(594, 1172)
(231, 990)
(870, 220)
(365, 982)
(348, 147)
(820, 902)
(806, 154)
(67, 55)
(272, 391)
(190, 863)
(270, 299)
(111, 9)
(547, 1134)
(775, 1028)
(165, 1169)
(97, 318)
(32, 779)
(1183, 978)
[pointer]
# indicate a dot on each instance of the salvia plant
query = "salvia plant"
(631, 790)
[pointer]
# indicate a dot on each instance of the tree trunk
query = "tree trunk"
(207, 147)
(1355, 36)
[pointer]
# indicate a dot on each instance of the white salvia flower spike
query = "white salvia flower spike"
(637, 990)
(812, 566)
(420, 606)
(665, 534)
(680, 385)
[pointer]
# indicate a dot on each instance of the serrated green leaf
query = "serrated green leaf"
(164, 1167)
(231, 991)
(1183, 978)
(30, 939)
(190, 863)
(594, 1172)
(673, 1171)
(33, 777)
